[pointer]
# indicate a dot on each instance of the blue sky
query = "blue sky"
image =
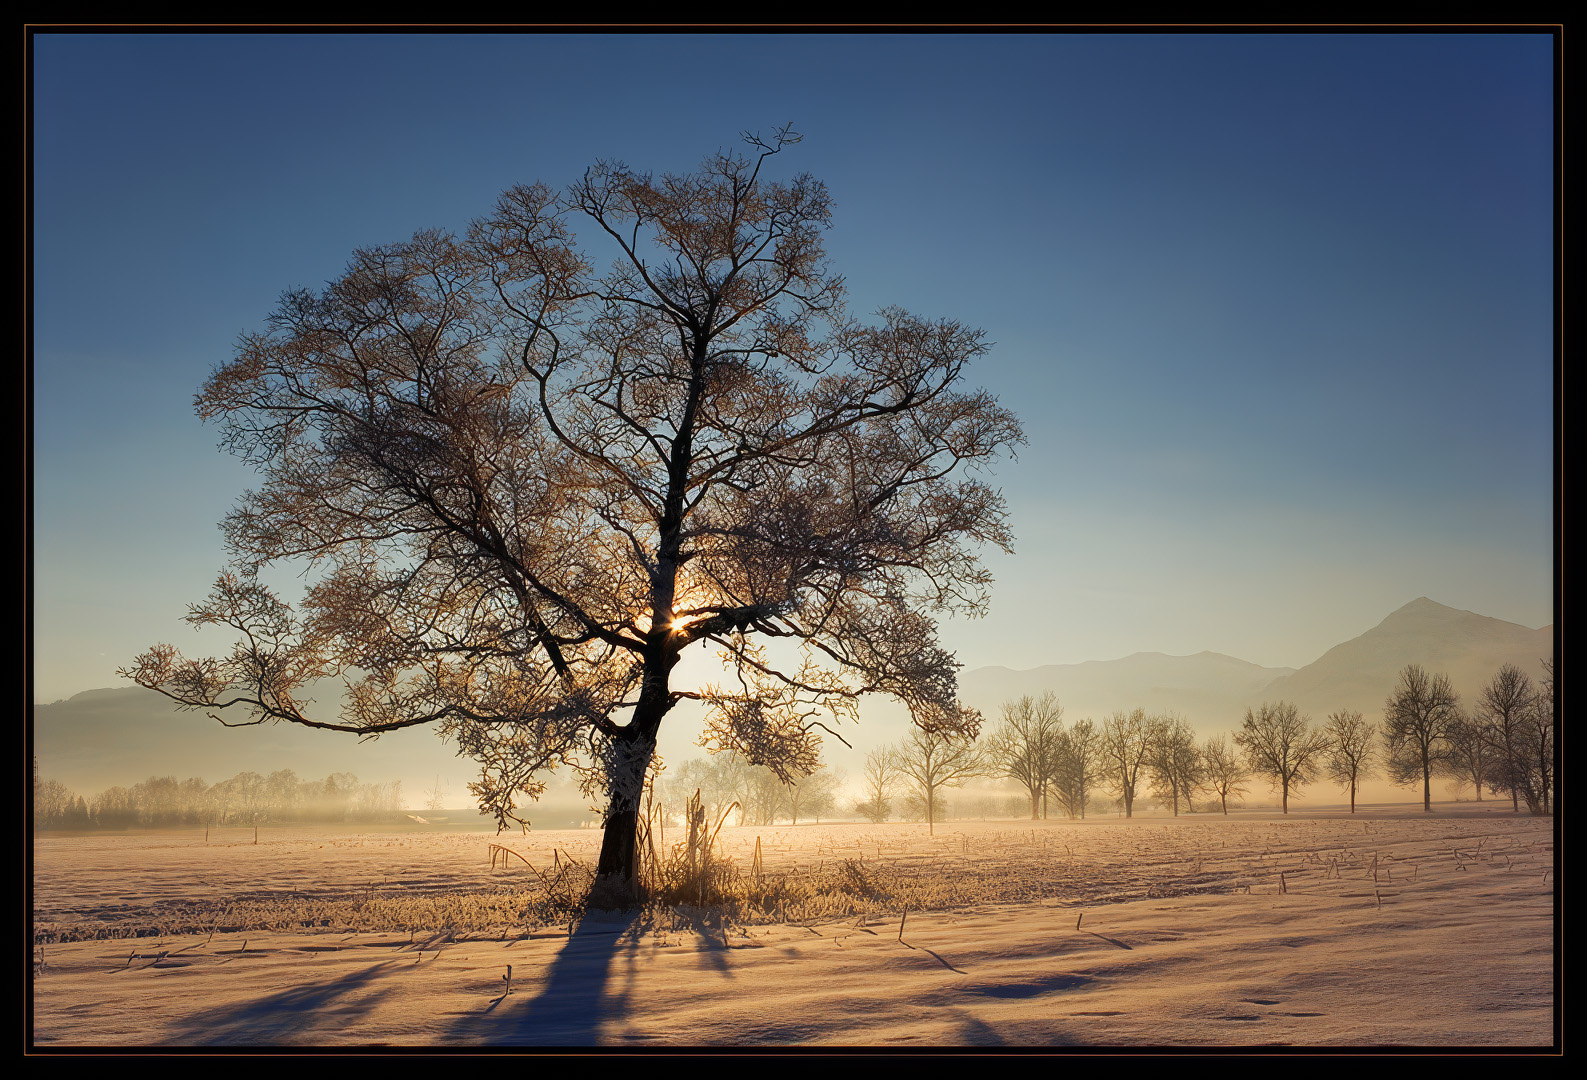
(1276, 310)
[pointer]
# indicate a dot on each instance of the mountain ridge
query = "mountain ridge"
(1213, 689)
(121, 734)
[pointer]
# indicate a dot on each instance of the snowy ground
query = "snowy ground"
(1391, 928)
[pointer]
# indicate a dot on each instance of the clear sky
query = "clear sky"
(1276, 310)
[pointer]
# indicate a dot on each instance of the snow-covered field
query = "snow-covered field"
(1389, 928)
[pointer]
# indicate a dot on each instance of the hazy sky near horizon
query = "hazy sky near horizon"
(1276, 310)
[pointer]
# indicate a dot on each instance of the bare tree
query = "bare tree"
(1173, 760)
(931, 761)
(1539, 741)
(529, 486)
(881, 781)
(1022, 747)
(1224, 770)
(715, 779)
(1077, 766)
(1126, 742)
(760, 794)
(812, 795)
(51, 802)
(1281, 746)
(435, 798)
(1471, 757)
(1505, 705)
(1418, 719)
(1352, 751)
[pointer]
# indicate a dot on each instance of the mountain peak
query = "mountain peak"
(1423, 606)
(1422, 614)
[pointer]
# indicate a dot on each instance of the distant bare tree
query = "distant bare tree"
(1281, 746)
(1505, 704)
(51, 801)
(1352, 749)
(1126, 742)
(760, 796)
(1471, 757)
(1224, 769)
(282, 794)
(159, 800)
(915, 808)
(811, 795)
(435, 798)
(1023, 745)
(1173, 760)
(1077, 766)
(881, 779)
(1418, 719)
(113, 808)
(931, 761)
(716, 780)
(1539, 739)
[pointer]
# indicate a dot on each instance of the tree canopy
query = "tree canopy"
(523, 485)
(1418, 720)
(1282, 747)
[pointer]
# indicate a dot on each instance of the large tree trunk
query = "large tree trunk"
(619, 847)
(616, 884)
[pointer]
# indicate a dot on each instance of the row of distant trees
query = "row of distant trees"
(1504, 743)
(729, 786)
(246, 799)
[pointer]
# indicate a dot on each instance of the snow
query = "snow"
(1186, 936)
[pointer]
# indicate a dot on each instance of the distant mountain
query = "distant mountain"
(101, 738)
(1212, 691)
(121, 736)
(1362, 672)
(1208, 688)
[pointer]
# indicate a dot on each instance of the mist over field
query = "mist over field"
(105, 737)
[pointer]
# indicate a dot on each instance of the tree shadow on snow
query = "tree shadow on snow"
(714, 942)
(573, 1003)
(292, 1017)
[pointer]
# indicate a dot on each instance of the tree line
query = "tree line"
(1503, 743)
(732, 788)
(246, 799)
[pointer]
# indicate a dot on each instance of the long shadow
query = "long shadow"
(974, 1032)
(713, 941)
(939, 959)
(571, 1006)
(292, 1017)
(1110, 941)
